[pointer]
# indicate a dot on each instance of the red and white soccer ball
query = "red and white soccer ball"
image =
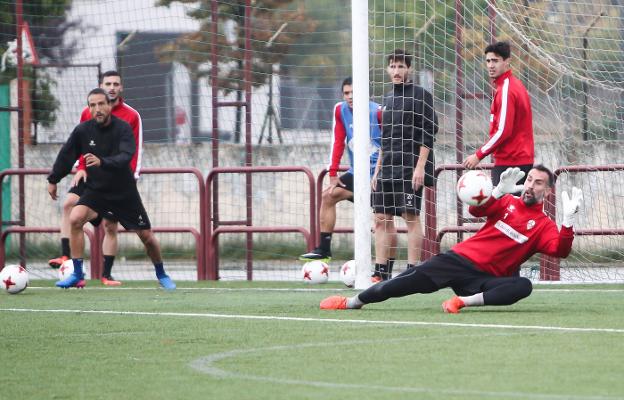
(14, 279)
(474, 188)
(347, 273)
(66, 269)
(315, 272)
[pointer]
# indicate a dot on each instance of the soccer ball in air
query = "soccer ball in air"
(315, 272)
(474, 188)
(347, 273)
(14, 279)
(66, 269)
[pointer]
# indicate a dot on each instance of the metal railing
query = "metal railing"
(244, 226)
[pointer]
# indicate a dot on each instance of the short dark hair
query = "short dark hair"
(109, 73)
(502, 49)
(98, 91)
(551, 176)
(347, 81)
(400, 55)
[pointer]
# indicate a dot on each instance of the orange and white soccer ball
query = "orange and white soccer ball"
(66, 269)
(347, 273)
(474, 187)
(14, 279)
(315, 272)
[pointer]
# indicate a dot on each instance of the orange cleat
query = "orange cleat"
(453, 305)
(334, 303)
(376, 279)
(110, 281)
(57, 262)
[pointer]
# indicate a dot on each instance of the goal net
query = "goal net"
(569, 56)
(233, 84)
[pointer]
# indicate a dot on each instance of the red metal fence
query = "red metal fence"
(211, 227)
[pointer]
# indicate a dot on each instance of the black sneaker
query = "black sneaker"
(316, 254)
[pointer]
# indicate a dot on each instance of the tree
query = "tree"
(267, 16)
(48, 24)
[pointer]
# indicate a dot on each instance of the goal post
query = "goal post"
(361, 151)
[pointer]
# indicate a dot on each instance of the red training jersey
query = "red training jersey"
(512, 233)
(338, 141)
(511, 124)
(131, 116)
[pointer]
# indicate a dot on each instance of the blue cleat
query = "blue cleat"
(166, 283)
(72, 281)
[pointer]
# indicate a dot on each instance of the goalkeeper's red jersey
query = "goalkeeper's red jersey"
(131, 116)
(511, 124)
(512, 233)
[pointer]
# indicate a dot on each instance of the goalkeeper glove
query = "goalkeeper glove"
(571, 206)
(507, 182)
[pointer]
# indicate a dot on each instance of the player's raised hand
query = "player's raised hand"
(571, 206)
(508, 181)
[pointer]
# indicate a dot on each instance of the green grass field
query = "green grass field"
(258, 340)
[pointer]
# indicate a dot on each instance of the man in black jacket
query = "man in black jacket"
(405, 165)
(107, 144)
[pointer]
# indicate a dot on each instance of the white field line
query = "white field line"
(325, 320)
(311, 289)
(208, 365)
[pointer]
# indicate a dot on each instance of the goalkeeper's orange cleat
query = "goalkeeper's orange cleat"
(110, 281)
(453, 305)
(57, 262)
(376, 279)
(334, 303)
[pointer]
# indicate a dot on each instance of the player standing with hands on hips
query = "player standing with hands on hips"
(511, 119)
(482, 270)
(108, 146)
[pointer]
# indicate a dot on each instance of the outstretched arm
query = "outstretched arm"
(561, 245)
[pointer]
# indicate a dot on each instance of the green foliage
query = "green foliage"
(47, 22)
(267, 16)
(46, 104)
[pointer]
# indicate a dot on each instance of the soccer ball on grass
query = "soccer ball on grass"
(14, 279)
(474, 188)
(315, 272)
(347, 273)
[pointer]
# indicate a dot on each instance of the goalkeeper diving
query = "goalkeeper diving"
(483, 269)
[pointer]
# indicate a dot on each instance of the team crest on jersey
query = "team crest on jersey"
(92, 143)
(530, 224)
(409, 200)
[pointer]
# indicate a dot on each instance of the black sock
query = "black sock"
(160, 270)
(65, 247)
(411, 266)
(108, 266)
(390, 266)
(381, 270)
(326, 241)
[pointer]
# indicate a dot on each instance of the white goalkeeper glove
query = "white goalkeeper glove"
(571, 206)
(508, 181)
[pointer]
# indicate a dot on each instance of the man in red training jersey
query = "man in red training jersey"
(482, 270)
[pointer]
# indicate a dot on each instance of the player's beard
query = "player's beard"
(529, 201)
(104, 121)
